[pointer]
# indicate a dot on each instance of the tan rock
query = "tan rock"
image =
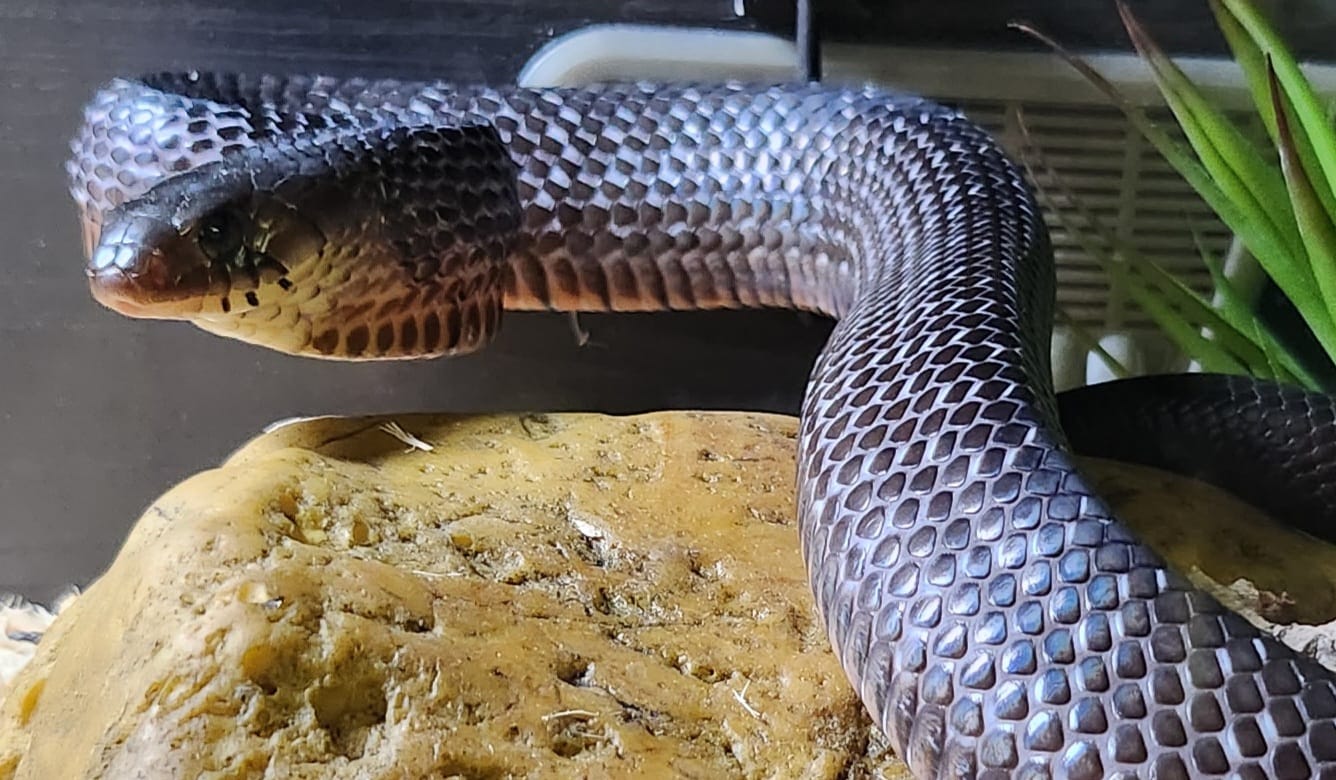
(561, 596)
(543, 596)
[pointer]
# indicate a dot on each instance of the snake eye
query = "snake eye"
(220, 236)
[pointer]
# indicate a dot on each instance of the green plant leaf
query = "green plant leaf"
(1232, 306)
(1292, 274)
(1253, 62)
(1188, 337)
(1308, 109)
(1233, 160)
(1282, 363)
(1236, 341)
(1315, 225)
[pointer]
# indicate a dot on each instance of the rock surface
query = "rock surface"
(537, 596)
(560, 596)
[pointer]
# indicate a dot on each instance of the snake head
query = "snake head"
(388, 247)
(203, 243)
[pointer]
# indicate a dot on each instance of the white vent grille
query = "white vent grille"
(1095, 155)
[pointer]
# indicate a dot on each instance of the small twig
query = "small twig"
(414, 443)
(581, 335)
(434, 575)
(741, 697)
(584, 714)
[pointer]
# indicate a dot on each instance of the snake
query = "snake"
(993, 614)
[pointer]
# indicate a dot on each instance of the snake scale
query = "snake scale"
(995, 617)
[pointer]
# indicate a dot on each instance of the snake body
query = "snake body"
(994, 616)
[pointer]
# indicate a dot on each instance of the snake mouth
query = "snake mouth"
(118, 291)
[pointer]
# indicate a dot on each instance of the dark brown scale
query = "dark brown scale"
(453, 327)
(326, 341)
(408, 335)
(562, 281)
(493, 308)
(357, 340)
(527, 280)
(994, 616)
(431, 331)
(384, 338)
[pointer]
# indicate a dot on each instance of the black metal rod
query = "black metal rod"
(806, 35)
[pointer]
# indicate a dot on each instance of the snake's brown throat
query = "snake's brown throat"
(995, 617)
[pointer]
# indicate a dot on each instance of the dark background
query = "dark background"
(100, 414)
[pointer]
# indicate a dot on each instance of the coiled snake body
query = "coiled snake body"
(994, 616)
